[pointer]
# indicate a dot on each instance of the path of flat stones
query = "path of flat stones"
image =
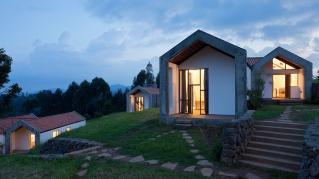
(203, 166)
(285, 116)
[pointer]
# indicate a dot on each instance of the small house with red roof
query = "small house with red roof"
(140, 98)
(22, 133)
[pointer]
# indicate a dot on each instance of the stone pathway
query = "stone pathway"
(202, 167)
(285, 116)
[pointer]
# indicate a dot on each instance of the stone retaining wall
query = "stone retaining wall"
(236, 136)
(310, 164)
(65, 145)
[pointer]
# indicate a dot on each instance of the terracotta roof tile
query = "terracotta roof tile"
(43, 124)
(251, 61)
(9, 121)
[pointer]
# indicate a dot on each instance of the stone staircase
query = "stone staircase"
(275, 145)
(183, 123)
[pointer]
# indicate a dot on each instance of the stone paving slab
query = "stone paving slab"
(199, 157)
(81, 173)
(194, 151)
(227, 174)
(119, 157)
(137, 159)
(169, 165)
(207, 172)
(152, 162)
(190, 168)
(85, 165)
(204, 163)
(105, 155)
(88, 158)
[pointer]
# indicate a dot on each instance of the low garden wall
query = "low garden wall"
(310, 164)
(65, 145)
(236, 135)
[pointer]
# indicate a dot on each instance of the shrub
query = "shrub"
(255, 95)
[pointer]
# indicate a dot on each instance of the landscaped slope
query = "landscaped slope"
(139, 133)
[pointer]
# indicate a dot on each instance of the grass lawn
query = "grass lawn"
(19, 166)
(268, 112)
(305, 113)
(132, 132)
(116, 169)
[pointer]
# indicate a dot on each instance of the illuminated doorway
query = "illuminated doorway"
(193, 91)
(139, 103)
(279, 86)
(285, 86)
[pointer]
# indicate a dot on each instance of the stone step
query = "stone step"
(282, 124)
(263, 165)
(183, 126)
(275, 140)
(279, 135)
(272, 161)
(274, 153)
(277, 147)
(280, 129)
(183, 121)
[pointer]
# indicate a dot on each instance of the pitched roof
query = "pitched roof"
(9, 121)
(42, 124)
(55, 121)
(149, 90)
(195, 42)
(251, 61)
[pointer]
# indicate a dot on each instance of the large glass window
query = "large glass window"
(280, 65)
(192, 91)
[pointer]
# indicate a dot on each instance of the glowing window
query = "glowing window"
(68, 129)
(56, 133)
(280, 65)
(32, 140)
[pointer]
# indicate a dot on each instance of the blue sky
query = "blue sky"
(56, 42)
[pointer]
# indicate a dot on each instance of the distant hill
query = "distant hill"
(116, 87)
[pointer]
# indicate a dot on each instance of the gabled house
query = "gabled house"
(286, 75)
(204, 79)
(140, 98)
(202, 76)
(21, 133)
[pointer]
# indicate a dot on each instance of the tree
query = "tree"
(149, 74)
(6, 94)
(68, 97)
(119, 100)
(140, 79)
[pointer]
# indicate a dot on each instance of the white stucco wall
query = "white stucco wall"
(266, 75)
(45, 136)
(221, 76)
(173, 88)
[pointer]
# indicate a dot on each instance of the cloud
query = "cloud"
(139, 31)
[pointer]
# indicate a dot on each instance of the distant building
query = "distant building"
(141, 98)
(22, 133)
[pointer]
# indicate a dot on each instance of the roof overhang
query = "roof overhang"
(285, 56)
(195, 42)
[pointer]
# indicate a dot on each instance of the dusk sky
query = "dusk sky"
(53, 43)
